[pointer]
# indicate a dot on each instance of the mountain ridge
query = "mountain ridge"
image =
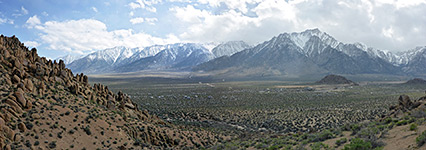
(311, 44)
(176, 56)
(356, 58)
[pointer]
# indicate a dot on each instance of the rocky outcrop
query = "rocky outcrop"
(416, 81)
(405, 104)
(335, 79)
(43, 101)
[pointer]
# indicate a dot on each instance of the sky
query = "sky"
(57, 28)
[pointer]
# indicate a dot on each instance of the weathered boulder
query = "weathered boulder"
(19, 94)
(16, 79)
(29, 84)
(14, 105)
(405, 102)
(22, 127)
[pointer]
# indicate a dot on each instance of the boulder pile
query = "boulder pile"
(45, 106)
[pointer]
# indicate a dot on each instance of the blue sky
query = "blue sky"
(63, 27)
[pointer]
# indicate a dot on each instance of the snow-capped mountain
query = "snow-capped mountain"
(173, 56)
(407, 56)
(229, 48)
(414, 61)
(69, 58)
(142, 53)
(304, 53)
(297, 53)
(302, 39)
(101, 61)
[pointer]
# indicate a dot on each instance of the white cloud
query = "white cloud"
(271, 18)
(5, 20)
(181, 1)
(85, 35)
(151, 21)
(144, 4)
(255, 21)
(44, 14)
(31, 43)
(400, 3)
(24, 11)
(136, 20)
(32, 22)
(21, 12)
(94, 9)
(190, 14)
(388, 32)
(237, 5)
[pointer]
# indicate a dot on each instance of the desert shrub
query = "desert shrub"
(355, 128)
(421, 139)
(319, 146)
(322, 136)
(413, 127)
(381, 127)
(368, 132)
(402, 122)
(358, 144)
(326, 134)
(388, 120)
(341, 141)
(275, 147)
(369, 135)
(391, 125)
(260, 146)
(346, 127)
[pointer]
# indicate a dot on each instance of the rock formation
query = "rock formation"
(45, 106)
(405, 104)
(335, 79)
(416, 81)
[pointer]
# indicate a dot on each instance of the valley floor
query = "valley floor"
(256, 112)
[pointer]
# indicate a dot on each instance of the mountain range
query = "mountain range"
(179, 56)
(311, 52)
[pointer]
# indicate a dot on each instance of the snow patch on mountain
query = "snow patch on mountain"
(69, 58)
(229, 48)
(300, 39)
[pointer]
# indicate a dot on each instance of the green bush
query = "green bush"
(355, 128)
(421, 139)
(402, 122)
(275, 147)
(358, 144)
(319, 146)
(413, 127)
(368, 132)
(326, 134)
(341, 141)
(388, 120)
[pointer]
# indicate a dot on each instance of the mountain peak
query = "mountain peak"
(313, 31)
(69, 58)
(229, 48)
(300, 38)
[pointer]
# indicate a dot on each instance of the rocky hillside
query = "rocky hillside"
(335, 79)
(416, 81)
(45, 106)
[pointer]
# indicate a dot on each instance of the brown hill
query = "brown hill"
(416, 81)
(45, 106)
(335, 79)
